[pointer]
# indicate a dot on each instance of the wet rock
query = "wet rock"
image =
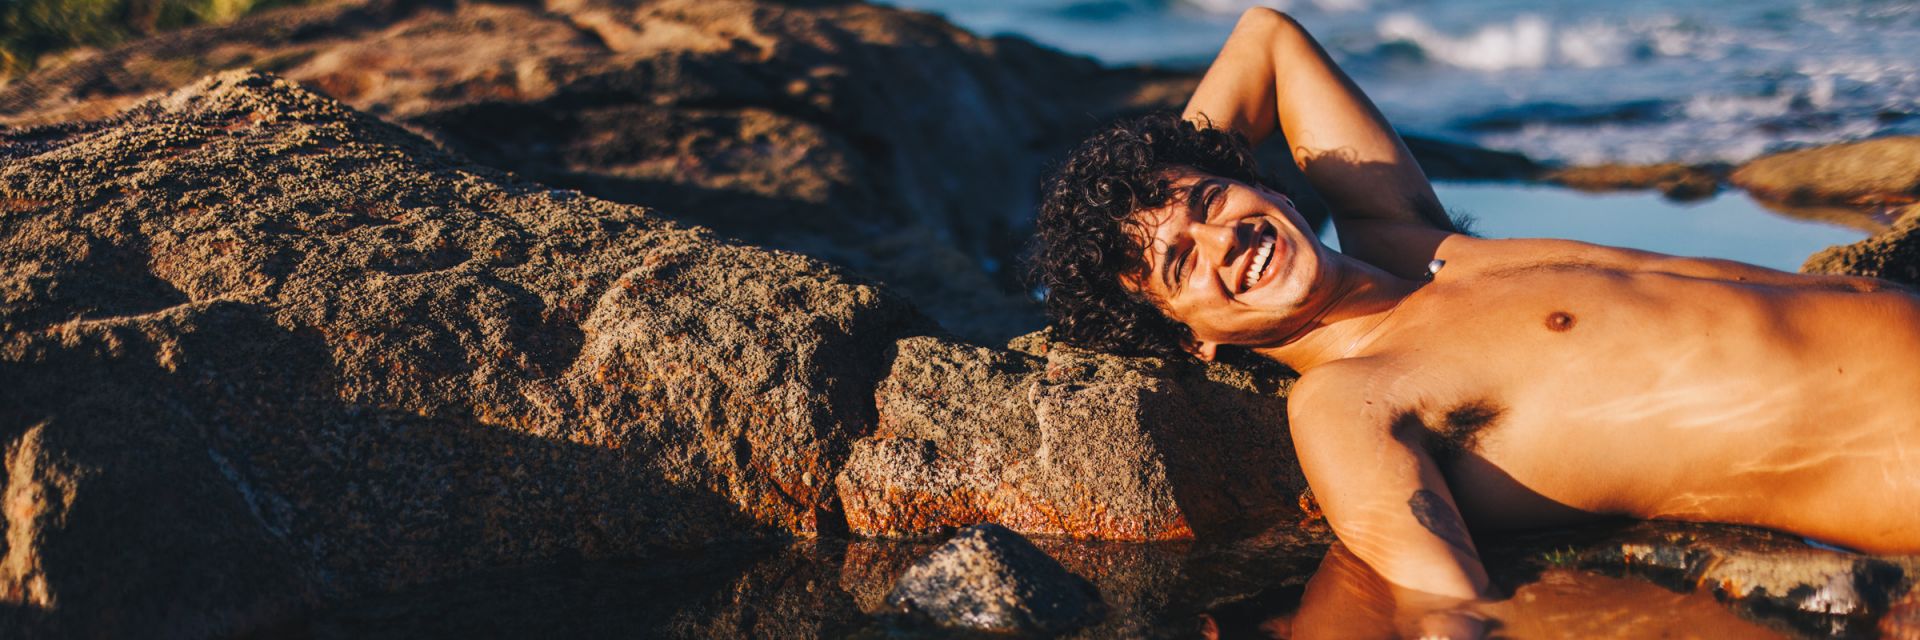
(261, 351)
(1771, 577)
(1892, 255)
(1071, 443)
(988, 578)
(1676, 181)
(1885, 170)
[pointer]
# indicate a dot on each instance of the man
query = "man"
(1521, 383)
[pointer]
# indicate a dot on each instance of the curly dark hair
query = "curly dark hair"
(1089, 237)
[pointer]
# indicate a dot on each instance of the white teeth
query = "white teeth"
(1259, 264)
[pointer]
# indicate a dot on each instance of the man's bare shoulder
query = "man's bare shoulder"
(1336, 393)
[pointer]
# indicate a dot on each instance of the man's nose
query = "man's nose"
(1215, 242)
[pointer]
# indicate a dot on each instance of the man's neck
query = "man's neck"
(1365, 297)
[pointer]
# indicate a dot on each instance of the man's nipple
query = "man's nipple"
(1559, 321)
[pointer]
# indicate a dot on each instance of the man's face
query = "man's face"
(1234, 262)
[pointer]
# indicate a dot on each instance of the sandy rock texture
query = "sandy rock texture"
(1676, 181)
(1893, 254)
(1880, 171)
(1052, 440)
(264, 352)
(262, 348)
(884, 140)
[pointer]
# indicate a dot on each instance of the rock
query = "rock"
(885, 140)
(1449, 160)
(1767, 575)
(1071, 443)
(1881, 171)
(1676, 181)
(262, 351)
(1892, 255)
(987, 578)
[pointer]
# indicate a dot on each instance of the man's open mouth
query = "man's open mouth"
(1262, 261)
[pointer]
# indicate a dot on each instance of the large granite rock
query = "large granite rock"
(262, 351)
(1038, 441)
(1886, 170)
(884, 140)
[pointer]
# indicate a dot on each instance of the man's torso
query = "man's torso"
(1577, 385)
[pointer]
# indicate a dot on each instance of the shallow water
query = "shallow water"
(1280, 584)
(1731, 226)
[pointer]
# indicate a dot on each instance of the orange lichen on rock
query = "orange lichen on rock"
(1074, 444)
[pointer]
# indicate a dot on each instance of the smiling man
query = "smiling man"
(1452, 383)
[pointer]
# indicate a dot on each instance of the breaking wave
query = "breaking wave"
(1561, 80)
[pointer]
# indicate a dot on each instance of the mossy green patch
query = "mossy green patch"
(32, 29)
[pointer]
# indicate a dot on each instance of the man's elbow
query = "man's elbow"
(1267, 21)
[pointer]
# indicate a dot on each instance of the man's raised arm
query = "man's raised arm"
(1272, 75)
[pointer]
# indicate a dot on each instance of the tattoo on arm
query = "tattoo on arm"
(1434, 514)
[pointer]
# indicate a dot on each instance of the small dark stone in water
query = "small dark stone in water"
(988, 578)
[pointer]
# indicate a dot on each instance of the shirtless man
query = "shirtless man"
(1524, 383)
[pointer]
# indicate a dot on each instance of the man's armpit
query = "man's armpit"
(1440, 519)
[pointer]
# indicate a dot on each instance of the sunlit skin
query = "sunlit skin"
(1530, 382)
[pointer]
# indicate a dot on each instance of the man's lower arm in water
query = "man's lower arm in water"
(1387, 501)
(1272, 76)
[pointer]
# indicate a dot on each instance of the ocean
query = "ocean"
(1576, 82)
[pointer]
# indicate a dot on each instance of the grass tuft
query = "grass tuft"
(30, 30)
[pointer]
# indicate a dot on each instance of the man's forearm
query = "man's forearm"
(1271, 75)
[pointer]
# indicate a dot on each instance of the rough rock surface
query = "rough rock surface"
(1035, 442)
(987, 578)
(884, 140)
(1885, 170)
(1893, 254)
(1767, 576)
(356, 363)
(1676, 181)
(262, 351)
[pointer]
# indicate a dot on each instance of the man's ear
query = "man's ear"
(1203, 350)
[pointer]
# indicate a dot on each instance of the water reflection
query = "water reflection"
(1346, 599)
(1629, 580)
(1731, 226)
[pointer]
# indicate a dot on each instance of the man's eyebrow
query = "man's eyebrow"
(1196, 210)
(1197, 198)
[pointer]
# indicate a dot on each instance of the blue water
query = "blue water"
(1730, 227)
(1583, 82)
